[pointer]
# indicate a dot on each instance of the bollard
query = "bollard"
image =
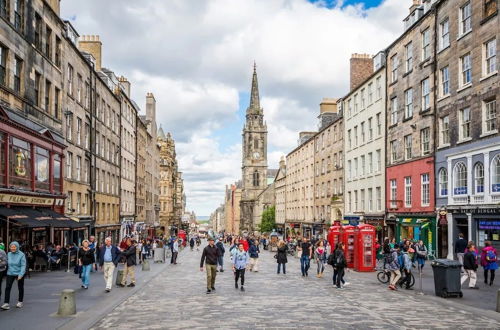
(145, 265)
(67, 303)
(498, 301)
(119, 276)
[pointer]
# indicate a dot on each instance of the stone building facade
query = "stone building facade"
(410, 129)
(140, 170)
(232, 212)
(364, 130)
(328, 167)
(468, 143)
(254, 157)
(168, 177)
(280, 195)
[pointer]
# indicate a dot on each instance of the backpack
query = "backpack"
(388, 258)
(331, 259)
(401, 260)
(340, 260)
(491, 256)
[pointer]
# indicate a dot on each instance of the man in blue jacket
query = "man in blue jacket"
(108, 260)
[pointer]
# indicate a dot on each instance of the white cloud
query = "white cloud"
(195, 56)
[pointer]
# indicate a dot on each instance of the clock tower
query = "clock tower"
(254, 156)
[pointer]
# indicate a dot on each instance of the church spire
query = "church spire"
(254, 96)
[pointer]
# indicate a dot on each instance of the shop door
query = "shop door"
(462, 227)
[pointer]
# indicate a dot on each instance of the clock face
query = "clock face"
(256, 155)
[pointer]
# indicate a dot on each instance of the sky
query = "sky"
(197, 58)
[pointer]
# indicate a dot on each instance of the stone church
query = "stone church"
(254, 159)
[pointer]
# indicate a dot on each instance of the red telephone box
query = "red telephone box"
(347, 235)
(365, 260)
(333, 237)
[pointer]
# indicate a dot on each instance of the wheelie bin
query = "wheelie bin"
(447, 278)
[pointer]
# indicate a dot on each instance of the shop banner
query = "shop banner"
(23, 199)
(489, 224)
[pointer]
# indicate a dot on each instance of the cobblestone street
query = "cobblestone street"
(176, 299)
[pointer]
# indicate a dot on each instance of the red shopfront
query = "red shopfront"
(31, 178)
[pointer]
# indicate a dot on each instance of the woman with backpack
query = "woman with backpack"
(339, 264)
(394, 266)
(489, 262)
(320, 257)
(281, 258)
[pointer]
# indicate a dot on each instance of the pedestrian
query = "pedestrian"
(240, 262)
(281, 257)
(254, 251)
(222, 251)
(93, 245)
(191, 243)
(130, 263)
(109, 255)
(2, 246)
(460, 246)
(85, 260)
(209, 257)
(16, 268)
(489, 258)
(339, 264)
(407, 265)
(421, 252)
(198, 243)
(3, 267)
(305, 259)
(175, 251)
(393, 265)
(320, 257)
(470, 266)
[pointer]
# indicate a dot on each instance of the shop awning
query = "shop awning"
(33, 218)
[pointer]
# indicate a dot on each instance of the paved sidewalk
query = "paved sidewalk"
(41, 298)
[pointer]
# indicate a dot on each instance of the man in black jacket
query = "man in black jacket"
(222, 250)
(470, 266)
(209, 257)
(130, 261)
(460, 246)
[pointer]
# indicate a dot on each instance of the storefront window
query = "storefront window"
(20, 163)
(42, 169)
(57, 173)
(443, 182)
(495, 178)
(489, 230)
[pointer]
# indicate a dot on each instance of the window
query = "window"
(394, 111)
(69, 127)
(349, 108)
(57, 106)
(408, 145)
(464, 123)
(362, 200)
(48, 42)
(48, 88)
(445, 81)
(355, 167)
(379, 160)
(379, 88)
(378, 193)
(409, 57)
(426, 94)
(58, 52)
(495, 174)
(256, 179)
(69, 165)
(363, 99)
(370, 93)
(443, 182)
(444, 40)
(20, 161)
(394, 152)
(69, 202)
(479, 178)
(363, 132)
(370, 129)
(70, 80)
(42, 169)
(78, 168)
(349, 170)
(370, 163)
(38, 31)
(355, 136)
(379, 125)
(408, 191)
(490, 8)
(465, 19)
(426, 44)
(86, 171)
(425, 140)
(394, 190)
(425, 190)
(490, 57)
(466, 70)
(460, 179)
(38, 77)
(19, 15)
(3, 65)
(356, 103)
(79, 89)
(408, 103)
(78, 131)
(362, 172)
(444, 127)
(394, 68)
(356, 200)
(490, 116)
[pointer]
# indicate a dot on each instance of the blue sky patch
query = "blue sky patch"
(333, 3)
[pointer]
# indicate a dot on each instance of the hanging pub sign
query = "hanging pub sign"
(443, 221)
(20, 164)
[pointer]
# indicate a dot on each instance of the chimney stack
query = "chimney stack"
(328, 105)
(150, 107)
(361, 68)
(92, 45)
(125, 84)
(415, 5)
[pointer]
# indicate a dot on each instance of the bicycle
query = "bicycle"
(384, 276)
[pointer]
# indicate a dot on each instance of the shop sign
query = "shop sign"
(374, 222)
(443, 221)
(489, 224)
(476, 210)
(20, 199)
